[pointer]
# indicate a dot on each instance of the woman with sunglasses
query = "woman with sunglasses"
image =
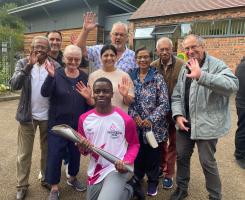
(66, 105)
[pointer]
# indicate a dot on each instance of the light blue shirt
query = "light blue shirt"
(125, 62)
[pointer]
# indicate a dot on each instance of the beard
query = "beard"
(55, 48)
(119, 46)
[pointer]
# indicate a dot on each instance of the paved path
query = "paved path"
(233, 178)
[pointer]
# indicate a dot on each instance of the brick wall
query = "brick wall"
(229, 49)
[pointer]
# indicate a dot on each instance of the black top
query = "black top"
(59, 59)
(240, 73)
(188, 82)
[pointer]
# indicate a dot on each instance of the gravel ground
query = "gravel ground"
(233, 178)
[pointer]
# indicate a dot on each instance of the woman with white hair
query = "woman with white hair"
(66, 105)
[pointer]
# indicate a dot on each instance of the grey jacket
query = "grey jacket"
(21, 80)
(208, 100)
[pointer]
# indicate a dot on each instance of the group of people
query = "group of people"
(116, 108)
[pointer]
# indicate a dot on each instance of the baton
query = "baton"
(72, 135)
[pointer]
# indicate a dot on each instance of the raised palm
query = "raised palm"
(49, 66)
(195, 69)
(124, 86)
(32, 58)
(89, 21)
(83, 90)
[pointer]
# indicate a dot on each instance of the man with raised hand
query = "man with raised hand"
(119, 37)
(200, 106)
(32, 111)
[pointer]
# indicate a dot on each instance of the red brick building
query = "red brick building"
(220, 22)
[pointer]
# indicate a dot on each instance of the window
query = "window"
(141, 33)
(185, 29)
(225, 27)
(148, 43)
(164, 30)
(143, 37)
(237, 27)
(148, 36)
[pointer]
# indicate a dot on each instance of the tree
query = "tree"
(17, 2)
(11, 27)
(11, 40)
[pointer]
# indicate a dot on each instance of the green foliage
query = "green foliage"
(10, 21)
(3, 76)
(11, 36)
(11, 28)
(17, 2)
(12, 33)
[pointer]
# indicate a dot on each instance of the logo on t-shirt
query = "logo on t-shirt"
(113, 131)
(89, 131)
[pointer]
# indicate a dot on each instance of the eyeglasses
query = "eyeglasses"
(142, 57)
(194, 47)
(119, 34)
(164, 49)
(40, 47)
(76, 60)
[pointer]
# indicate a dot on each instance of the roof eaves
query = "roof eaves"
(31, 5)
(123, 5)
(132, 18)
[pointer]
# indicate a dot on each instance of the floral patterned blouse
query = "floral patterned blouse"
(151, 102)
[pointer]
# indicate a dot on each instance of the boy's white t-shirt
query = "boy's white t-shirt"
(115, 133)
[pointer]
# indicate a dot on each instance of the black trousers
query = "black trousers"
(148, 162)
(240, 135)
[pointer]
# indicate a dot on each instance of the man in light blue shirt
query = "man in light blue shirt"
(119, 37)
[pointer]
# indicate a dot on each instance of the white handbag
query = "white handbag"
(151, 139)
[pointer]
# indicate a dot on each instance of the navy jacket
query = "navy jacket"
(66, 104)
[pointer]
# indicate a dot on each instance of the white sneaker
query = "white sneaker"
(40, 176)
(66, 170)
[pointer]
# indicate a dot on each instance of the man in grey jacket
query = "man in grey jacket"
(32, 111)
(200, 106)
